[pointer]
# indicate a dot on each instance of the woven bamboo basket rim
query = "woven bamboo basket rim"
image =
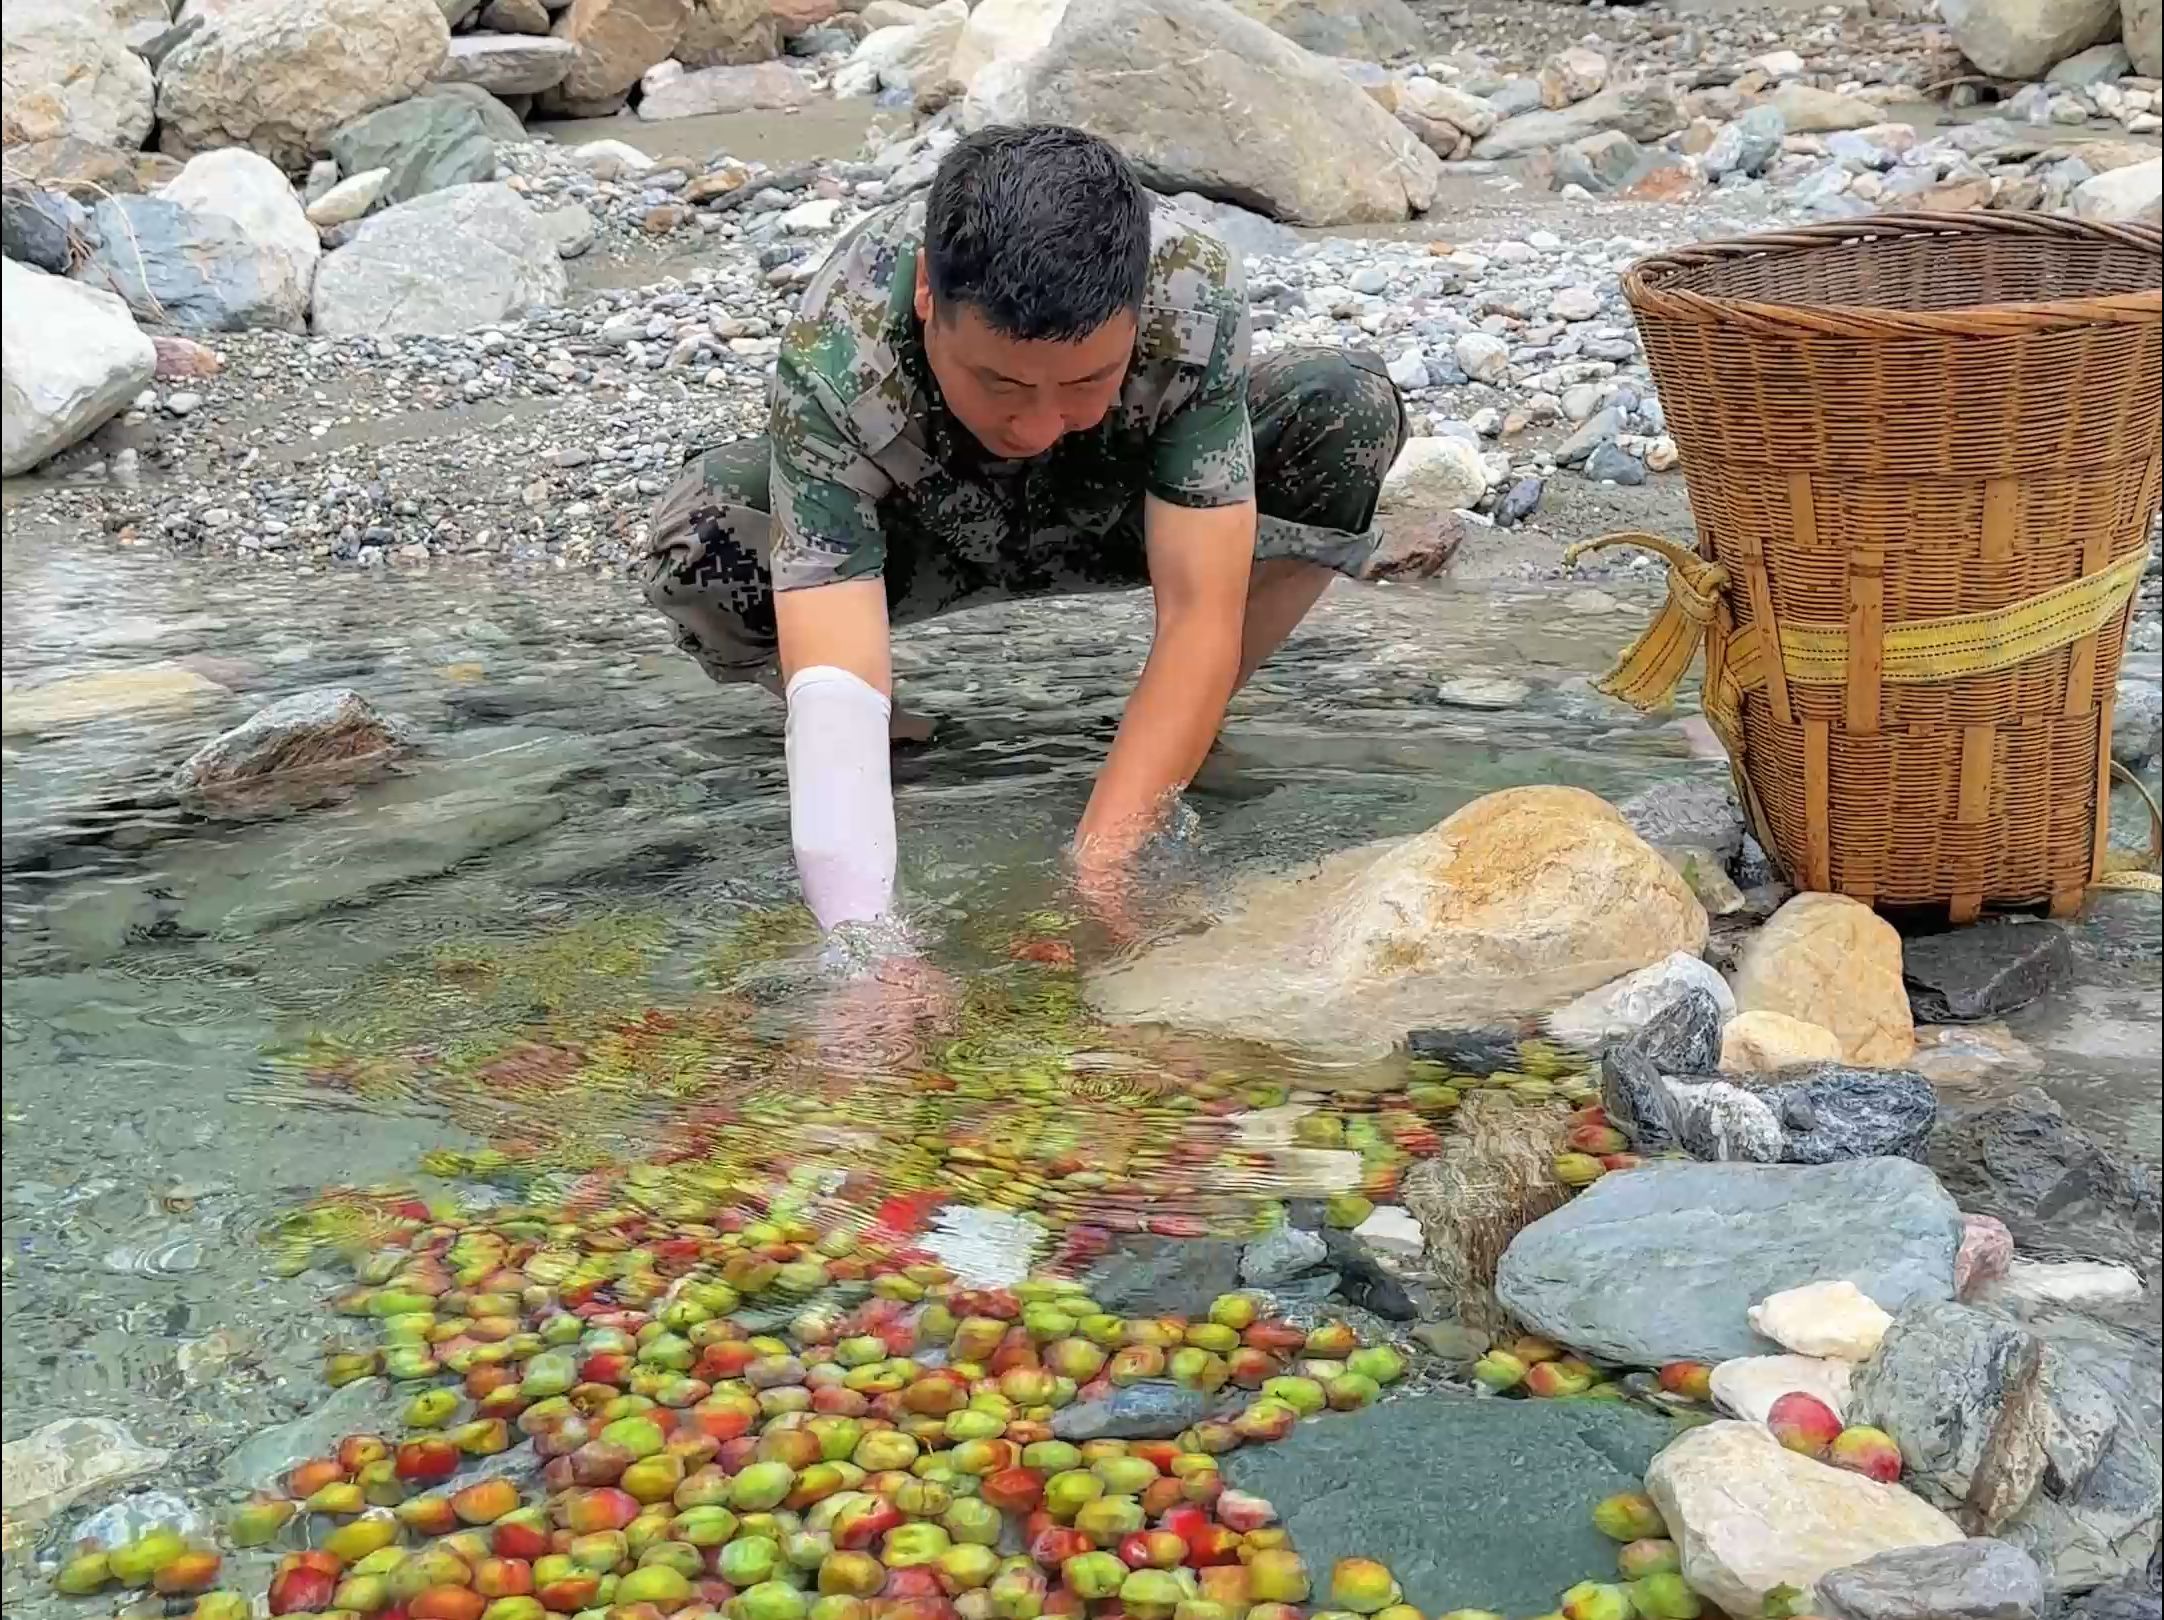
(1660, 284)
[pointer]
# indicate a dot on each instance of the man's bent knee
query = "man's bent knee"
(706, 569)
(1328, 425)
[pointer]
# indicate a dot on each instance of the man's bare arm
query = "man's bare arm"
(842, 625)
(1199, 559)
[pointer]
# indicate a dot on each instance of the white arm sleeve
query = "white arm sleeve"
(841, 796)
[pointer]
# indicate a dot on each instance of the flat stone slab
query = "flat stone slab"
(1472, 1503)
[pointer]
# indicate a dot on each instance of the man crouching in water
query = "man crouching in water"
(1024, 382)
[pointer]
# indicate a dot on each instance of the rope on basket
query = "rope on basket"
(1696, 614)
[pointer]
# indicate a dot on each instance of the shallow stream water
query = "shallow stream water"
(207, 1021)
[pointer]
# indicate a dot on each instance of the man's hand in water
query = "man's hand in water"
(880, 1015)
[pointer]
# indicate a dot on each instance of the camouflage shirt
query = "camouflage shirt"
(864, 446)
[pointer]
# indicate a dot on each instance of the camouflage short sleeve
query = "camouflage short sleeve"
(825, 492)
(1203, 451)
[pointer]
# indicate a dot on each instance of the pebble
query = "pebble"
(1484, 692)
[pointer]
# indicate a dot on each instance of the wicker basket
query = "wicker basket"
(1923, 457)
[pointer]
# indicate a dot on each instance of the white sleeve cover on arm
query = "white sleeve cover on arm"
(841, 795)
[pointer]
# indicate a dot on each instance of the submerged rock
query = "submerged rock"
(1749, 1516)
(1151, 1276)
(1978, 1579)
(1279, 1255)
(1511, 1481)
(1151, 1410)
(1517, 902)
(61, 1463)
(1985, 971)
(1702, 1243)
(2064, 1194)
(326, 731)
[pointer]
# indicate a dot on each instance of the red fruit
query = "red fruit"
(568, 1594)
(503, 1577)
(1803, 1423)
(1152, 1549)
(1056, 1544)
(602, 1508)
(1621, 1161)
(485, 1501)
(1279, 1337)
(606, 1367)
(357, 1451)
(447, 1603)
(1691, 1379)
(913, 1581)
(1867, 1451)
(524, 1534)
(301, 1588)
(1596, 1139)
(1213, 1545)
(427, 1459)
(1013, 1490)
(310, 1477)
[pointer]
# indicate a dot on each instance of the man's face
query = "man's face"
(1019, 398)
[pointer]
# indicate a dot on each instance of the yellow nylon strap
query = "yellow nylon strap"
(1654, 665)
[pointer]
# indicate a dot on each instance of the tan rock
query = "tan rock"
(515, 17)
(670, 92)
(1760, 1042)
(1826, 959)
(1748, 1516)
(76, 699)
(1571, 75)
(894, 14)
(279, 76)
(618, 40)
(66, 70)
(1366, 30)
(1446, 104)
(729, 33)
(1808, 110)
(795, 16)
(70, 163)
(1515, 904)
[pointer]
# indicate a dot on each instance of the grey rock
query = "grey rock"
(1467, 1051)
(508, 64)
(427, 142)
(2132, 1597)
(1747, 145)
(1643, 109)
(1690, 813)
(1257, 236)
(1279, 1255)
(2085, 70)
(364, 1406)
(1602, 162)
(1720, 1122)
(34, 227)
(498, 122)
(1684, 1038)
(1978, 1579)
(1596, 430)
(1151, 1410)
(188, 270)
(446, 262)
(1829, 1111)
(1150, 1276)
(310, 733)
(2063, 1193)
(1611, 463)
(1519, 503)
(2137, 721)
(1363, 1279)
(1510, 1479)
(1702, 1243)
(2044, 1432)
(1635, 1095)
(1986, 970)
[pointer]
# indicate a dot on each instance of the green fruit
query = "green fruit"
(769, 1600)
(1663, 1596)
(654, 1583)
(83, 1574)
(1628, 1516)
(135, 1563)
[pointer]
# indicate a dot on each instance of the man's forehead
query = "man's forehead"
(1087, 359)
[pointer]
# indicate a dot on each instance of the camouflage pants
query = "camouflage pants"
(1327, 425)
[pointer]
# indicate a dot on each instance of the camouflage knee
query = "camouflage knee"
(707, 562)
(1328, 423)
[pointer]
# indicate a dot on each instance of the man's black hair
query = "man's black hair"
(1043, 230)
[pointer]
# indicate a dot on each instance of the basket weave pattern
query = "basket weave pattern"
(1905, 419)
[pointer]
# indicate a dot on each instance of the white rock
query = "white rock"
(1633, 1001)
(508, 64)
(2081, 1284)
(1446, 104)
(1392, 1230)
(1433, 475)
(1492, 692)
(1748, 1516)
(65, 69)
(1835, 1319)
(447, 262)
(279, 75)
(45, 1471)
(811, 218)
(249, 190)
(349, 199)
(70, 356)
(1779, 64)
(1748, 1386)
(1008, 31)
(621, 155)
(1575, 304)
(1760, 1042)
(2134, 192)
(1483, 357)
(1410, 369)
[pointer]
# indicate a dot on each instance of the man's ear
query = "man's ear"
(924, 289)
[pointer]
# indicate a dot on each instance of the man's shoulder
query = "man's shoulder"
(1196, 284)
(841, 349)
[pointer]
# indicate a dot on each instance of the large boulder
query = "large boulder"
(2043, 1432)
(447, 262)
(508, 64)
(192, 269)
(1516, 903)
(280, 75)
(427, 143)
(1008, 31)
(1204, 99)
(1833, 962)
(66, 70)
(1368, 30)
(1703, 1243)
(729, 33)
(2021, 39)
(1750, 1516)
(617, 41)
(1643, 109)
(250, 190)
(671, 92)
(70, 356)
(2141, 27)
